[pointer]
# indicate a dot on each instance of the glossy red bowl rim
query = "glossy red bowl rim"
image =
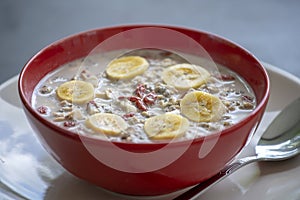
(75, 136)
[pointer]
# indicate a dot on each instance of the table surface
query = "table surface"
(268, 29)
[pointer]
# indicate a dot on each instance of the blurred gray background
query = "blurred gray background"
(270, 29)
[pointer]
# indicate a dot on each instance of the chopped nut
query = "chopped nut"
(109, 93)
(246, 106)
(212, 90)
(126, 137)
(92, 108)
(205, 125)
(163, 103)
(225, 117)
(58, 114)
(141, 121)
(104, 75)
(160, 88)
(105, 108)
(213, 128)
(167, 62)
(231, 108)
(226, 123)
(100, 94)
(191, 90)
(149, 87)
(130, 131)
(69, 116)
(67, 109)
(127, 106)
(65, 103)
(45, 89)
(159, 97)
(171, 108)
(59, 119)
(146, 114)
(167, 93)
(227, 103)
(89, 77)
(134, 119)
(172, 100)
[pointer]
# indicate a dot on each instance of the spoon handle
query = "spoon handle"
(199, 189)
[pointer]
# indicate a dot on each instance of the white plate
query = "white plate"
(30, 172)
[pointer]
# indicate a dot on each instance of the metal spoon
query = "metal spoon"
(280, 141)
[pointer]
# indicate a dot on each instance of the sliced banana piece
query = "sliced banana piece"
(166, 126)
(202, 107)
(127, 67)
(185, 76)
(106, 123)
(76, 91)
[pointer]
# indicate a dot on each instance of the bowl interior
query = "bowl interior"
(80, 45)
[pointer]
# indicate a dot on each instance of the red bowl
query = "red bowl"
(151, 168)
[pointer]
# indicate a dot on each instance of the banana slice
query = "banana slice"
(127, 67)
(106, 123)
(185, 76)
(76, 91)
(202, 107)
(166, 126)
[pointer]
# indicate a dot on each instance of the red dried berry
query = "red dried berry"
(42, 110)
(69, 124)
(134, 99)
(140, 105)
(140, 90)
(142, 99)
(93, 103)
(247, 98)
(121, 97)
(150, 98)
(225, 77)
(127, 115)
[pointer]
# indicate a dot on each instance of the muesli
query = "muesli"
(143, 98)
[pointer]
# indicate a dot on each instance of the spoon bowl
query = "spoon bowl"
(276, 144)
(281, 140)
(281, 148)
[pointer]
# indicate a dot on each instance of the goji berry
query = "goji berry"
(42, 109)
(69, 124)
